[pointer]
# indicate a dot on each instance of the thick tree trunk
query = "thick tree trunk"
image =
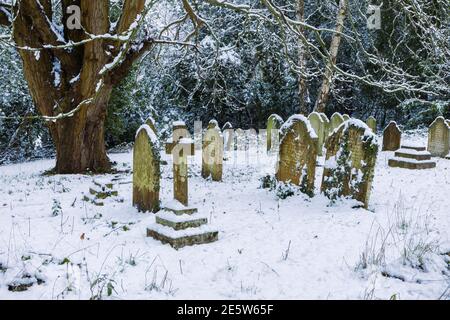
(324, 91)
(80, 143)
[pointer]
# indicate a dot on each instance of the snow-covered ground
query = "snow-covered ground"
(297, 248)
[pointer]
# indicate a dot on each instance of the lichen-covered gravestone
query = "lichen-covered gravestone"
(350, 162)
(274, 123)
(212, 155)
(298, 153)
(392, 137)
(438, 138)
(318, 125)
(372, 123)
(146, 170)
(335, 121)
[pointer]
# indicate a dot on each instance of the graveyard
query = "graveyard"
(224, 150)
(190, 219)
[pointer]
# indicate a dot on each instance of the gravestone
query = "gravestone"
(336, 120)
(228, 134)
(298, 153)
(178, 224)
(372, 123)
(391, 137)
(180, 131)
(146, 170)
(212, 155)
(274, 123)
(327, 124)
(152, 124)
(350, 162)
(318, 125)
(346, 117)
(438, 138)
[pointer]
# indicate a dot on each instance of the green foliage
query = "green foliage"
(418, 113)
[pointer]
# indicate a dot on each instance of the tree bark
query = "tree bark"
(302, 84)
(324, 91)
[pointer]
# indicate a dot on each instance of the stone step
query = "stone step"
(182, 238)
(179, 209)
(411, 164)
(413, 154)
(417, 148)
(180, 222)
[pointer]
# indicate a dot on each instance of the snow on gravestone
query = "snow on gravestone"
(372, 123)
(298, 153)
(274, 123)
(350, 162)
(318, 125)
(146, 170)
(212, 155)
(391, 137)
(438, 138)
(335, 121)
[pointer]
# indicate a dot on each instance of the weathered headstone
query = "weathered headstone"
(151, 123)
(372, 123)
(298, 153)
(350, 162)
(180, 131)
(318, 125)
(438, 138)
(212, 155)
(391, 137)
(274, 123)
(146, 170)
(335, 121)
(327, 124)
(178, 224)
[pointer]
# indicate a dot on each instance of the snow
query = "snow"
(150, 133)
(56, 71)
(87, 245)
(301, 118)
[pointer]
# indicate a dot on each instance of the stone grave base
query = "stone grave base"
(181, 226)
(412, 157)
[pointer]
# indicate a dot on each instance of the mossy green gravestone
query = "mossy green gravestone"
(274, 123)
(298, 153)
(146, 170)
(350, 162)
(212, 153)
(318, 125)
(438, 138)
(372, 123)
(392, 137)
(335, 121)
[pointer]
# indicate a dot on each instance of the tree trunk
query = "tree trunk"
(302, 84)
(80, 142)
(324, 91)
(73, 81)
